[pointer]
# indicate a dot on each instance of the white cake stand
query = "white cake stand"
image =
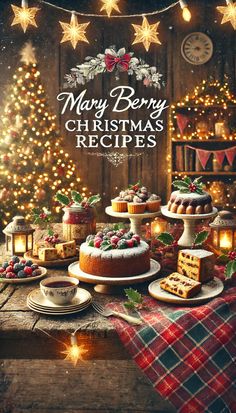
(135, 219)
(110, 285)
(188, 236)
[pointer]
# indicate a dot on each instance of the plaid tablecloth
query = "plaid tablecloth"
(188, 353)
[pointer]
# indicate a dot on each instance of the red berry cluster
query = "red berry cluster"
(52, 239)
(232, 255)
(192, 187)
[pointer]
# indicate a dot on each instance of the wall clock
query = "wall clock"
(197, 48)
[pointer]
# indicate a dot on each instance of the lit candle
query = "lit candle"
(158, 226)
(20, 243)
(225, 241)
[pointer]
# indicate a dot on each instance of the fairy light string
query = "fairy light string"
(115, 16)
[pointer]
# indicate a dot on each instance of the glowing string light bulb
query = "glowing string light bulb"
(73, 352)
(185, 10)
(24, 15)
(109, 5)
(229, 13)
(73, 31)
(146, 33)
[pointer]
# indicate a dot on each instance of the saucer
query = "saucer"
(55, 312)
(37, 299)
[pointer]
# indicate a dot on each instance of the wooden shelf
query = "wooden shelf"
(209, 173)
(190, 141)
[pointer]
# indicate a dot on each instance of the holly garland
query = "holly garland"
(114, 61)
(186, 185)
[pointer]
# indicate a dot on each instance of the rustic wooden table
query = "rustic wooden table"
(34, 378)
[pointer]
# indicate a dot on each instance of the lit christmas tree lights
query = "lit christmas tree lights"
(34, 165)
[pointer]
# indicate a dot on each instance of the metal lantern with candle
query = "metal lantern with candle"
(19, 236)
(224, 232)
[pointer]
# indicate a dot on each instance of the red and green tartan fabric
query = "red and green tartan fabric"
(188, 353)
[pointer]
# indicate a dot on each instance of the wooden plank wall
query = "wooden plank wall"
(55, 61)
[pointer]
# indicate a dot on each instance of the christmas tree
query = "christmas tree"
(34, 165)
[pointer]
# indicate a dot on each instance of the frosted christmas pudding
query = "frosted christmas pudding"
(190, 198)
(112, 253)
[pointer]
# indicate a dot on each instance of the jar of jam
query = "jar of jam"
(78, 223)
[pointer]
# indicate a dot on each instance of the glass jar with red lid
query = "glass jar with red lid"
(78, 223)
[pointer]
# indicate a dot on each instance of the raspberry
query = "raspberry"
(28, 270)
(192, 187)
(232, 255)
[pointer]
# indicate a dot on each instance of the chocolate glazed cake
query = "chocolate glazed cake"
(190, 203)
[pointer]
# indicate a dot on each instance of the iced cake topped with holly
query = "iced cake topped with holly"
(114, 253)
(190, 198)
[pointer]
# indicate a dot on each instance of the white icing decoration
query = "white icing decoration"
(198, 253)
(192, 195)
(116, 253)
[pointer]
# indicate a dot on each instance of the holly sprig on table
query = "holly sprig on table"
(42, 218)
(186, 185)
(77, 199)
(135, 299)
(168, 240)
(230, 261)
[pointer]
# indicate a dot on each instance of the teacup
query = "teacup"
(59, 289)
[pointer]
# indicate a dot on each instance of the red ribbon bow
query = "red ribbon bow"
(122, 63)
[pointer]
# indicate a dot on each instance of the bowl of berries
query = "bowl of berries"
(19, 270)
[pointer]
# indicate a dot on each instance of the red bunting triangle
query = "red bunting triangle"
(203, 156)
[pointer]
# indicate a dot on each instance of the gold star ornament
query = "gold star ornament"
(73, 352)
(24, 15)
(109, 5)
(229, 13)
(146, 33)
(74, 32)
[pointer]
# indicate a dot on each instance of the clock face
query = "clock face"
(197, 48)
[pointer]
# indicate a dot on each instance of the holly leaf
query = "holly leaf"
(129, 305)
(187, 180)
(180, 184)
(184, 191)
(223, 258)
(63, 199)
(201, 237)
(77, 198)
(166, 238)
(94, 199)
(230, 269)
(50, 232)
(133, 295)
(199, 191)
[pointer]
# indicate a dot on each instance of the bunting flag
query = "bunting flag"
(204, 155)
(220, 156)
(182, 121)
(230, 155)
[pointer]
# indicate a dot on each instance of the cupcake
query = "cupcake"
(137, 206)
(153, 203)
(119, 204)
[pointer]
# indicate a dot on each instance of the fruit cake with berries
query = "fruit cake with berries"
(112, 253)
(189, 198)
(180, 285)
(196, 264)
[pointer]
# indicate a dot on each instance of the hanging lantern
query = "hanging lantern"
(19, 236)
(158, 226)
(223, 230)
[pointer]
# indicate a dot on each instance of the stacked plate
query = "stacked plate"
(38, 303)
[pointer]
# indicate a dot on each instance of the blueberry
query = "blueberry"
(34, 267)
(17, 267)
(5, 265)
(29, 263)
(21, 274)
(15, 259)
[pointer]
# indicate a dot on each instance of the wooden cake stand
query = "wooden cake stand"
(135, 219)
(108, 285)
(188, 236)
